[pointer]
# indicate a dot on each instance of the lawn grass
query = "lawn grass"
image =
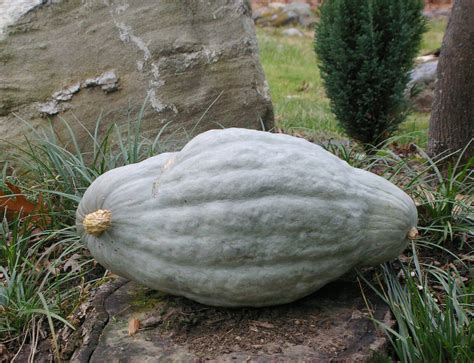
(295, 84)
(298, 93)
(434, 36)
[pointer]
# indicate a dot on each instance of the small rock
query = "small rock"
(424, 72)
(302, 12)
(278, 14)
(292, 32)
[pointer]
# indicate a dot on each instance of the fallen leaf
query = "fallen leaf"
(16, 205)
(73, 263)
(133, 326)
(50, 267)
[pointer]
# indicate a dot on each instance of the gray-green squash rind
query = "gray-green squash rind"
(245, 218)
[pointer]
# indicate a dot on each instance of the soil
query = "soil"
(210, 331)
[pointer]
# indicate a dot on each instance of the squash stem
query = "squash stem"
(412, 233)
(97, 222)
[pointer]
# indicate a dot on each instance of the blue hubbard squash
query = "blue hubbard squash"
(243, 218)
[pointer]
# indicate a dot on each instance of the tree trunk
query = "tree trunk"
(452, 117)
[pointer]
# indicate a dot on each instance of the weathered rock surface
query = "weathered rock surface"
(332, 325)
(195, 62)
(422, 85)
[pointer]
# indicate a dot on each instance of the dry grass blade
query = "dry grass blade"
(464, 202)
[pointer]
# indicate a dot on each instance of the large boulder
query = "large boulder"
(196, 63)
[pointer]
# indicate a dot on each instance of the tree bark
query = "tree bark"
(452, 118)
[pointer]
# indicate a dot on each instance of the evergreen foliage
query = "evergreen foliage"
(365, 52)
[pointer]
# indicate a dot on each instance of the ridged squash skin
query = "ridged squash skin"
(245, 218)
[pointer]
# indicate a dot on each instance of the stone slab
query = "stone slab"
(332, 325)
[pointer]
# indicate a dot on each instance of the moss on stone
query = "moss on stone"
(145, 299)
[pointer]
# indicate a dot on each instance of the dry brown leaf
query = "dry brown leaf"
(133, 326)
(50, 267)
(73, 263)
(17, 205)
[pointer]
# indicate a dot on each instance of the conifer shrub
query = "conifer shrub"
(365, 51)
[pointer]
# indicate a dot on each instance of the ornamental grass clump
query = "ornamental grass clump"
(432, 308)
(365, 52)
